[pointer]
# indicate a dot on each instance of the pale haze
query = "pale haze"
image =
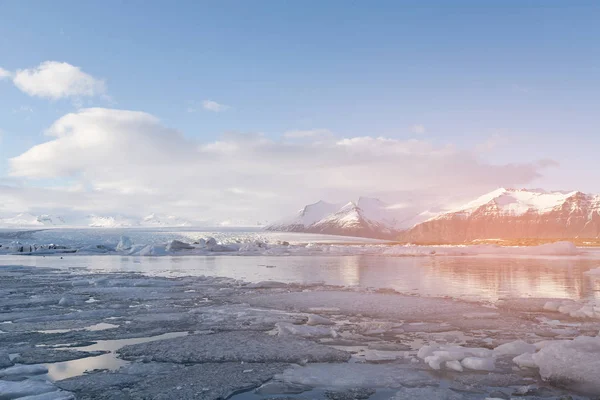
(244, 113)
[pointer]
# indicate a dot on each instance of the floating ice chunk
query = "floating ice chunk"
(479, 364)
(376, 327)
(267, 285)
(575, 309)
(514, 348)
(69, 300)
(454, 365)
(58, 395)
(233, 346)
(575, 363)
(380, 355)
(525, 361)
(552, 305)
(426, 351)
(435, 362)
(81, 282)
(544, 343)
(438, 357)
(177, 245)
(210, 242)
(318, 320)
(153, 250)
(5, 360)
(23, 370)
(125, 243)
(427, 394)
(28, 387)
(94, 248)
(350, 375)
(285, 329)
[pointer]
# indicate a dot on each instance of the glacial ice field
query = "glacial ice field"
(365, 321)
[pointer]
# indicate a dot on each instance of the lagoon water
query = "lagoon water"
(483, 278)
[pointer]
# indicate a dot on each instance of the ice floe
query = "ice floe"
(575, 309)
(574, 363)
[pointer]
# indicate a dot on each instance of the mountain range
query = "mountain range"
(501, 214)
(368, 217)
(26, 220)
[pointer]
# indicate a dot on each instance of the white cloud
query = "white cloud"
(213, 106)
(4, 73)
(418, 129)
(130, 163)
(56, 80)
(311, 133)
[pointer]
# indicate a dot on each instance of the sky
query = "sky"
(243, 111)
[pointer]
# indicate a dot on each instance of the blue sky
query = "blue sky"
(510, 81)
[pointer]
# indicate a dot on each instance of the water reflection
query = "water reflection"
(487, 278)
(109, 361)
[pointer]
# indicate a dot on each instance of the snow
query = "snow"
(370, 213)
(308, 215)
(96, 221)
(517, 202)
(29, 220)
(164, 221)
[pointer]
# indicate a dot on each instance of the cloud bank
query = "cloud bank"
(128, 162)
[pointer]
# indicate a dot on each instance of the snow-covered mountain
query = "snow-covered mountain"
(305, 217)
(368, 217)
(514, 214)
(25, 220)
(164, 221)
(97, 221)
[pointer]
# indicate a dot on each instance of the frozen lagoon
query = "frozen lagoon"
(299, 326)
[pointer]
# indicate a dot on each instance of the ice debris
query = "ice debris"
(575, 309)
(438, 357)
(573, 363)
(233, 346)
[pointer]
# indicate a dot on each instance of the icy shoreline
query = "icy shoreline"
(251, 246)
(162, 337)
